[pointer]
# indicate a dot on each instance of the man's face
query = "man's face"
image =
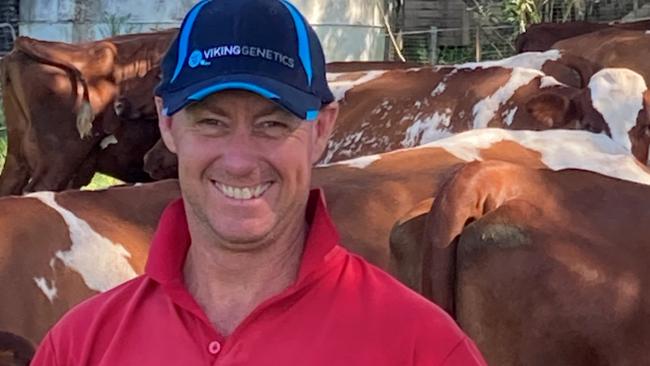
(244, 165)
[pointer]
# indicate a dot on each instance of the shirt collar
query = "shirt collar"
(172, 240)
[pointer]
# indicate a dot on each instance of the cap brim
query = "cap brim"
(298, 102)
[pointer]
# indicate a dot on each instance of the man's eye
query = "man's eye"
(211, 123)
(274, 124)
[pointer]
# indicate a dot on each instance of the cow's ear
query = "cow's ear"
(552, 110)
(165, 125)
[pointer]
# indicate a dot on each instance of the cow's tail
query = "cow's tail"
(85, 114)
(475, 190)
(21, 349)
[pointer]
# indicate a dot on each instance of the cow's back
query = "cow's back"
(59, 249)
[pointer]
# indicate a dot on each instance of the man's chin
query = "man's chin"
(245, 240)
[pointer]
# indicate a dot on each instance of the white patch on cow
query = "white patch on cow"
(339, 88)
(549, 81)
(486, 108)
(52, 261)
(428, 129)
(440, 88)
(527, 60)
(510, 116)
(647, 32)
(359, 163)
(49, 291)
(560, 149)
(101, 263)
(109, 140)
(618, 95)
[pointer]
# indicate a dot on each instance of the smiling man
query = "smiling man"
(246, 268)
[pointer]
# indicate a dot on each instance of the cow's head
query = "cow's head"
(616, 102)
(134, 100)
(160, 163)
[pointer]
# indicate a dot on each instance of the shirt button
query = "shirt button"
(214, 347)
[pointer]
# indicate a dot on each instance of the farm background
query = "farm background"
(422, 31)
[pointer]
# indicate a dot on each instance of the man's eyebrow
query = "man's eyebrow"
(201, 107)
(273, 109)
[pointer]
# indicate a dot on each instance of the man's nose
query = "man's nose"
(240, 154)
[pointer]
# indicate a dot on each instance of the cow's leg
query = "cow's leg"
(15, 175)
(15, 172)
(85, 173)
(58, 158)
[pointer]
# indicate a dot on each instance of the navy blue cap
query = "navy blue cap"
(263, 46)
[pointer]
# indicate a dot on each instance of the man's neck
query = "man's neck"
(230, 285)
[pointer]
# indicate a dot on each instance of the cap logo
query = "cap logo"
(196, 59)
(201, 57)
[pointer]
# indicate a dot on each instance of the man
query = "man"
(246, 269)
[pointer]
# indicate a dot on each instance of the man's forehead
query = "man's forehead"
(229, 101)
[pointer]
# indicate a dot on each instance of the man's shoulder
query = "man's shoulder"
(391, 307)
(103, 307)
(391, 294)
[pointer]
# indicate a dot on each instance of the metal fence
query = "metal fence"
(456, 45)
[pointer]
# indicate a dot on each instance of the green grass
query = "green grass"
(101, 181)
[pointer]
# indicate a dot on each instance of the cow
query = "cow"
(58, 101)
(542, 36)
(60, 248)
(382, 110)
(613, 48)
(541, 267)
(368, 195)
(90, 241)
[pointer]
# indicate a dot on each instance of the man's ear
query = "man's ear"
(323, 127)
(165, 125)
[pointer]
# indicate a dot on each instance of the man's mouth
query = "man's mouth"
(243, 193)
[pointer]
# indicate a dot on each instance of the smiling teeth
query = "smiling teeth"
(244, 193)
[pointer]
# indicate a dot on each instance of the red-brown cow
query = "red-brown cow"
(45, 88)
(540, 267)
(542, 36)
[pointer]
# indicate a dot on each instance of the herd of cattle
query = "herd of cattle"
(512, 193)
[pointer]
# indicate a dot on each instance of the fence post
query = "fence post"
(433, 45)
(477, 43)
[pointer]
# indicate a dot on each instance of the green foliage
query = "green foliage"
(522, 13)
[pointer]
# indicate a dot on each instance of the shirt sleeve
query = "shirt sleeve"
(464, 354)
(45, 354)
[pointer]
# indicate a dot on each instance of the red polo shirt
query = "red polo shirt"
(340, 311)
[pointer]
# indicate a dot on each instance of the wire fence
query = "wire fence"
(456, 45)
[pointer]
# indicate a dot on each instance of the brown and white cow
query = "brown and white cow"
(45, 88)
(541, 267)
(383, 110)
(368, 195)
(58, 249)
(90, 241)
(542, 36)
